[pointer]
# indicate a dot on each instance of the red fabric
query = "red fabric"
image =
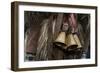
(72, 22)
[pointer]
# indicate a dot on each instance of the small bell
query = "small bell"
(77, 41)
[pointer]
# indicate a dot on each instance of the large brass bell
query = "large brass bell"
(60, 41)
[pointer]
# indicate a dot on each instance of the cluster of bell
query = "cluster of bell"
(70, 41)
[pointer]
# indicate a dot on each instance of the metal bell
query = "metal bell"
(71, 42)
(77, 41)
(60, 41)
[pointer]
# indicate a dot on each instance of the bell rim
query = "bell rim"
(60, 43)
(72, 47)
